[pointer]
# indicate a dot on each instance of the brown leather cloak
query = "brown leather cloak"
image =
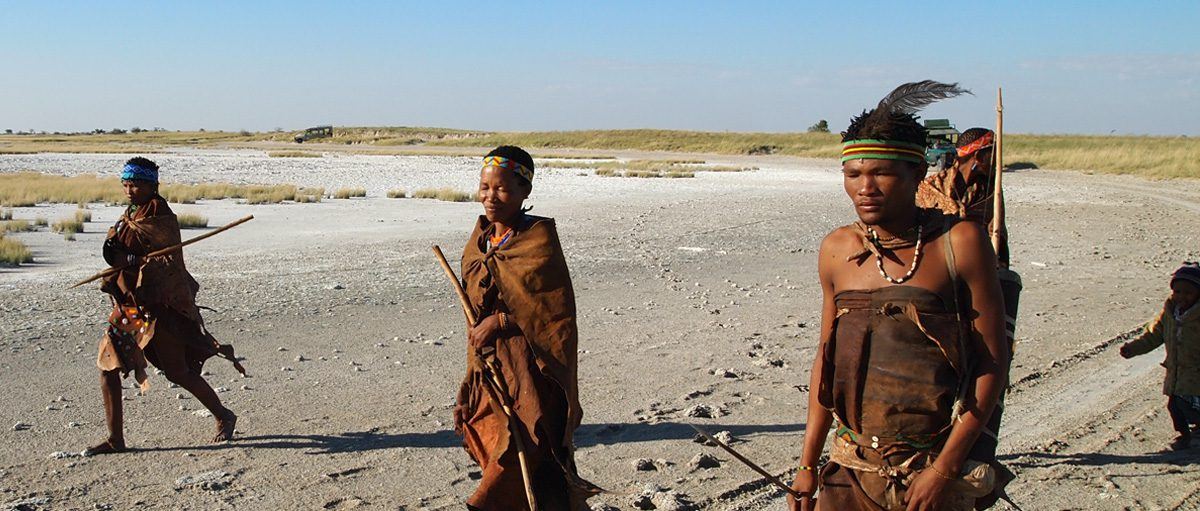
(159, 296)
(535, 285)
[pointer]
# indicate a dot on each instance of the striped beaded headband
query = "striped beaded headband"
(980, 143)
(873, 149)
(507, 164)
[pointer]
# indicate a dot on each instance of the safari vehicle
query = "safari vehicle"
(314, 133)
(939, 145)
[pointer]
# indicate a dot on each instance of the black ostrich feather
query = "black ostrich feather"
(911, 97)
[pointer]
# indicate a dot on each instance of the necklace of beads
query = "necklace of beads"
(912, 270)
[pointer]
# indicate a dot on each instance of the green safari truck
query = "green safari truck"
(939, 143)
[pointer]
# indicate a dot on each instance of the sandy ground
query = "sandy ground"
(692, 292)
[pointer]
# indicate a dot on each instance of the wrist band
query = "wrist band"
(939, 472)
(503, 321)
(806, 467)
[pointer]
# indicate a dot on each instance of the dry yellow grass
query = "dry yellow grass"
(6, 214)
(397, 194)
(443, 194)
(347, 193)
(293, 154)
(13, 252)
(24, 189)
(1153, 157)
(16, 226)
(83, 215)
(67, 225)
(191, 221)
(659, 166)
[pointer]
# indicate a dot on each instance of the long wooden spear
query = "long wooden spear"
(772, 479)
(997, 226)
(498, 391)
(109, 271)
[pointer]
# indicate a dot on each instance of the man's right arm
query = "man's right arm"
(819, 419)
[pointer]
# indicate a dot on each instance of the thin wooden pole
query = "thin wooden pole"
(497, 390)
(109, 271)
(997, 226)
(753, 466)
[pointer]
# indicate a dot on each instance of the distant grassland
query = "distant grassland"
(1154, 157)
(23, 189)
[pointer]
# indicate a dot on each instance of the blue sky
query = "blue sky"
(1066, 67)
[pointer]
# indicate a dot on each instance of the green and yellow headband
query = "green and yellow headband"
(507, 164)
(872, 149)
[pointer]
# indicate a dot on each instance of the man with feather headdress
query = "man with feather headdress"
(909, 368)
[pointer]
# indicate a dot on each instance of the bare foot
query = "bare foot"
(109, 446)
(225, 427)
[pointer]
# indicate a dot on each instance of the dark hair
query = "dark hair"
(518, 155)
(895, 126)
(144, 163)
(971, 135)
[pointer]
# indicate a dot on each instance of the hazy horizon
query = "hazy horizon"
(1075, 68)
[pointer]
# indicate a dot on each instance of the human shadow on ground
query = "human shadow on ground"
(606, 434)
(337, 443)
(1029, 460)
(587, 435)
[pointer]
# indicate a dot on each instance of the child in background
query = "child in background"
(1177, 326)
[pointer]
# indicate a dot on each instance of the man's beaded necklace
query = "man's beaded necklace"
(912, 270)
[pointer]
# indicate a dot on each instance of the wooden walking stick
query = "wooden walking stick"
(497, 390)
(109, 271)
(770, 478)
(997, 226)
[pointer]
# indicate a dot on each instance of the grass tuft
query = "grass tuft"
(83, 215)
(16, 226)
(443, 194)
(6, 214)
(67, 225)
(346, 193)
(13, 252)
(190, 221)
(397, 194)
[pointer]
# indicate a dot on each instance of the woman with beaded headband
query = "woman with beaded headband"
(154, 316)
(911, 357)
(516, 280)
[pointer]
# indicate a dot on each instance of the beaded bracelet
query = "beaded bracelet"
(503, 321)
(806, 467)
(939, 472)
